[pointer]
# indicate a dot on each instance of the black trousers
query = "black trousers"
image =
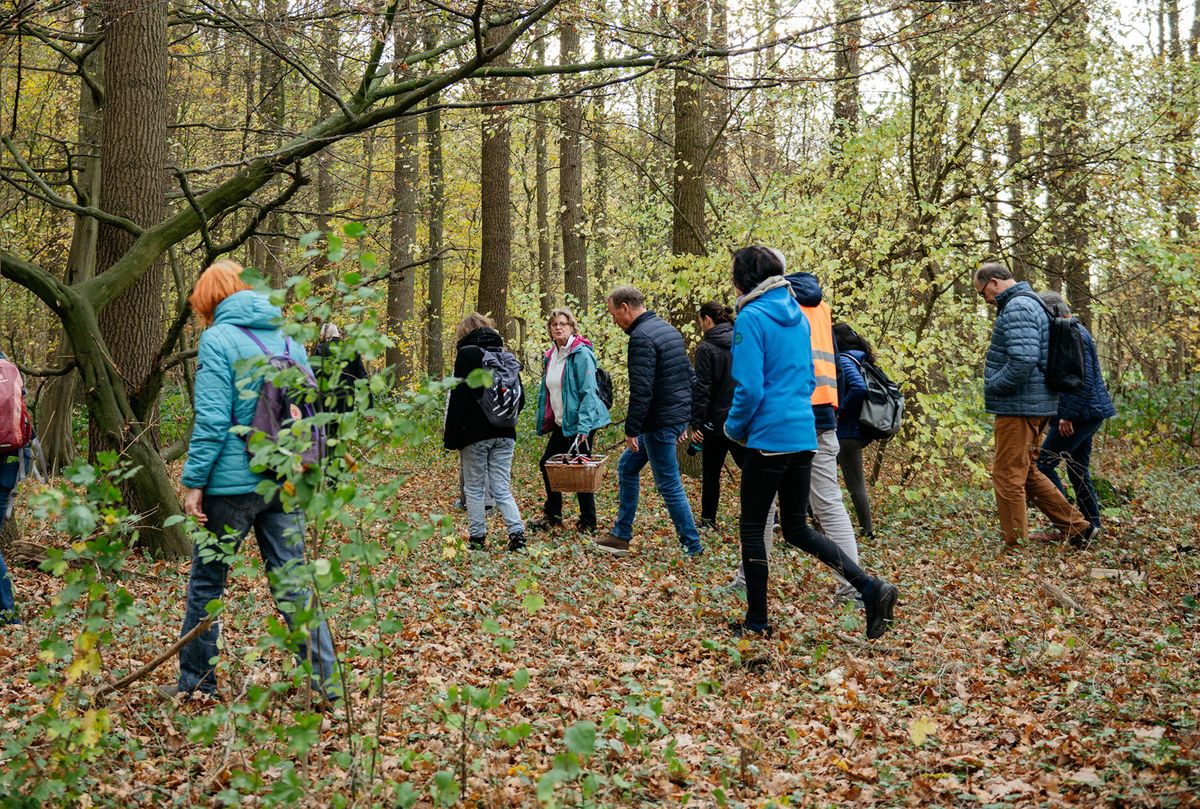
(764, 476)
(553, 507)
(716, 447)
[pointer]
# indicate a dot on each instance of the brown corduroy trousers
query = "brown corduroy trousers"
(1016, 479)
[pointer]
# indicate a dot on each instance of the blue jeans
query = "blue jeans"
(8, 480)
(657, 448)
(280, 536)
(1075, 451)
(487, 467)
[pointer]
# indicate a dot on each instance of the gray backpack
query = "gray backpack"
(883, 407)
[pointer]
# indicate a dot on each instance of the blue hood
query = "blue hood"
(250, 309)
(806, 288)
(777, 304)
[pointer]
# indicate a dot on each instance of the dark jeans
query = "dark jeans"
(553, 507)
(657, 448)
(764, 476)
(1075, 451)
(716, 447)
(8, 480)
(280, 536)
(850, 459)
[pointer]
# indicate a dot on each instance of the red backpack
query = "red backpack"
(16, 431)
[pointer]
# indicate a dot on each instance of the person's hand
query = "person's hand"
(697, 436)
(683, 437)
(192, 502)
(1066, 428)
(631, 443)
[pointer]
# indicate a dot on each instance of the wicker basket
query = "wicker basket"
(579, 474)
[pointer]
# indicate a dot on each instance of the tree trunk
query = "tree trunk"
(717, 91)
(435, 363)
(134, 131)
(401, 282)
(326, 193)
(496, 221)
(541, 166)
(599, 183)
(275, 109)
(846, 41)
(688, 234)
(57, 405)
(570, 175)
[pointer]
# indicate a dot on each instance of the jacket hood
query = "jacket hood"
(248, 308)
(482, 337)
(576, 342)
(773, 297)
(806, 288)
(720, 335)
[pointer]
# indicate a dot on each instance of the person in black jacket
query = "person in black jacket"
(712, 393)
(338, 376)
(660, 404)
(487, 450)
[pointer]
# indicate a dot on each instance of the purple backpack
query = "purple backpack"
(278, 406)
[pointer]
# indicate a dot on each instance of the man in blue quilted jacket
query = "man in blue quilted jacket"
(660, 403)
(1015, 392)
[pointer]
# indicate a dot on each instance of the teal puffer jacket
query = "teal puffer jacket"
(581, 398)
(217, 461)
(1014, 377)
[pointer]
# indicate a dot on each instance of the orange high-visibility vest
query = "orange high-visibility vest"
(820, 323)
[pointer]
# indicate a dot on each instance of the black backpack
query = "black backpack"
(604, 387)
(883, 407)
(1065, 361)
(501, 402)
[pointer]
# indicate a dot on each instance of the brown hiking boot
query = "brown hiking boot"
(611, 543)
(1050, 537)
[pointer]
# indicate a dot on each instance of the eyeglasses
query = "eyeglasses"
(983, 289)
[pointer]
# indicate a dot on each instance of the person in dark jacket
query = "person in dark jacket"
(337, 376)
(487, 450)
(1080, 416)
(853, 435)
(773, 366)
(712, 393)
(660, 404)
(1016, 393)
(569, 410)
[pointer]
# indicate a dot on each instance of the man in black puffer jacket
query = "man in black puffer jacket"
(660, 402)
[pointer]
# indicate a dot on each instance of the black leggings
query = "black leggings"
(716, 447)
(764, 476)
(553, 507)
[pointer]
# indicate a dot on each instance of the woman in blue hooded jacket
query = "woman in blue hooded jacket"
(569, 408)
(773, 370)
(1080, 417)
(221, 489)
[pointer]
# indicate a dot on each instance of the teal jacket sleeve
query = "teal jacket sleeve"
(749, 374)
(588, 412)
(213, 409)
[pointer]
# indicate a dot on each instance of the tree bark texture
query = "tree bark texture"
(541, 192)
(688, 233)
(717, 95)
(599, 213)
(496, 221)
(570, 177)
(403, 251)
(846, 41)
(326, 193)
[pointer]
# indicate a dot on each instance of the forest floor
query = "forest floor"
(986, 692)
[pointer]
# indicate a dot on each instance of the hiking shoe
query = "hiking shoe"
(477, 543)
(586, 528)
(736, 586)
(1085, 539)
(880, 601)
(1050, 537)
(741, 629)
(693, 552)
(516, 542)
(613, 544)
(543, 524)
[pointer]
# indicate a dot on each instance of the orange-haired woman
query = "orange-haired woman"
(242, 326)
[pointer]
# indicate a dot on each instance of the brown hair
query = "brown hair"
(218, 282)
(989, 270)
(472, 322)
(563, 312)
(626, 295)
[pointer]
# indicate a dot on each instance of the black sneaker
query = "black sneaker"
(740, 630)
(516, 542)
(543, 524)
(1085, 539)
(879, 603)
(586, 528)
(477, 543)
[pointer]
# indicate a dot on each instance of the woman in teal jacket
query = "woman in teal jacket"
(569, 407)
(221, 488)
